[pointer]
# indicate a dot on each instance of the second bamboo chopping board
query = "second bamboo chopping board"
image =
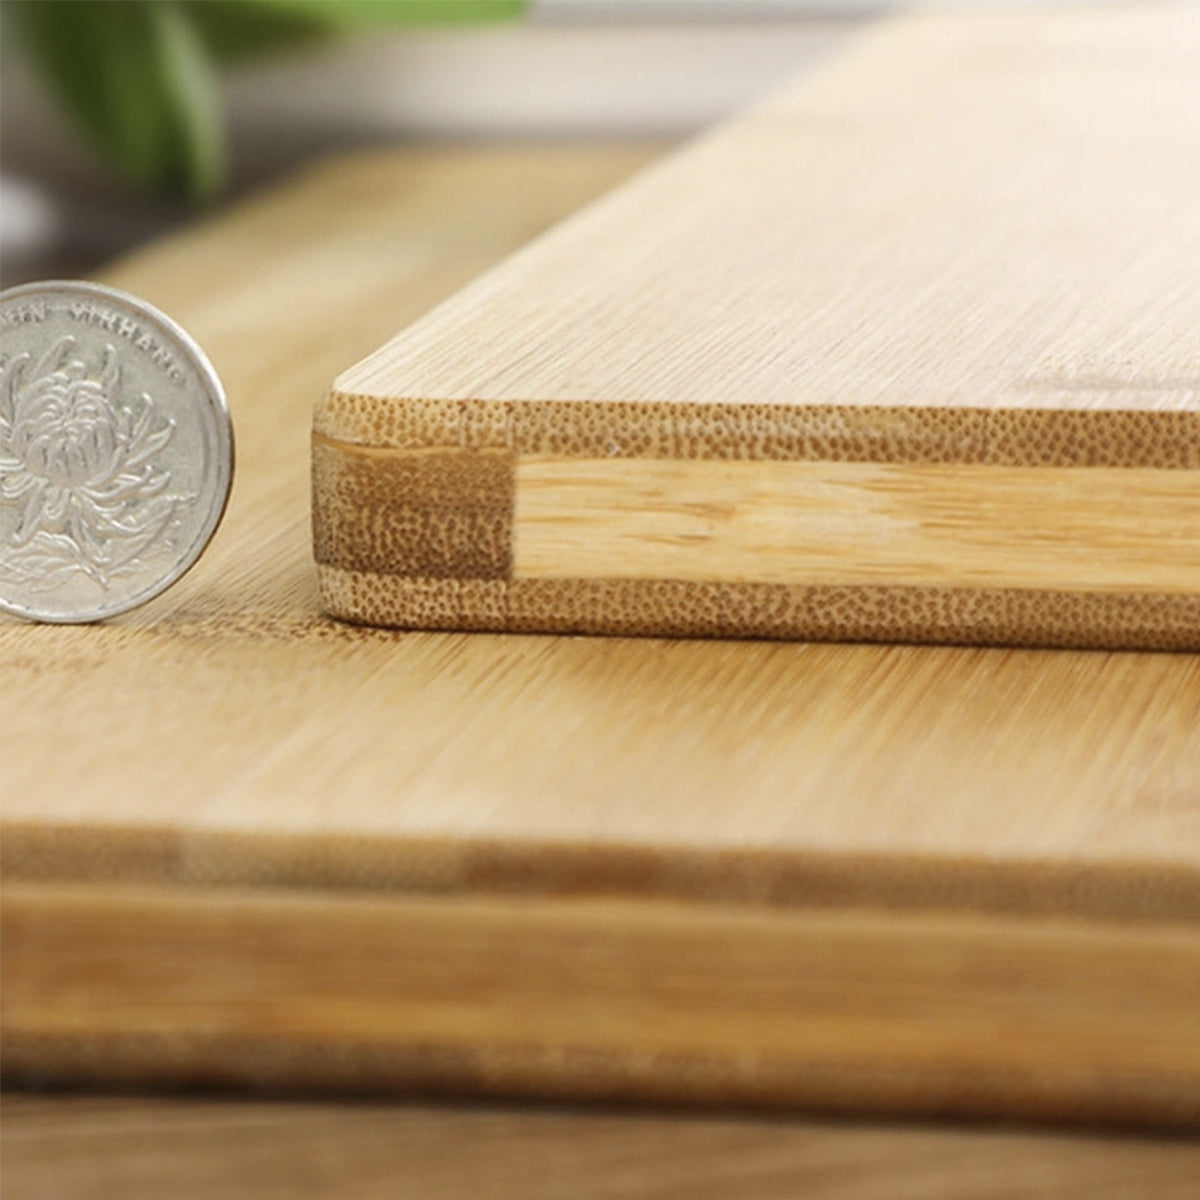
(911, 352)
(247, 845)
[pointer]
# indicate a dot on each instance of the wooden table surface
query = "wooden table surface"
(149, 1148)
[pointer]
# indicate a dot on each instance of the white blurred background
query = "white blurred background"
(568, 68)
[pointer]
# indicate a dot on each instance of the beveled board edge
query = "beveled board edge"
(396, 865)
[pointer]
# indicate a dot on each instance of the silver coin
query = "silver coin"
(116, 451)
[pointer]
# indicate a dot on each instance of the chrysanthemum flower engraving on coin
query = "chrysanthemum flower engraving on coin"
(78, 456)
(116, 451)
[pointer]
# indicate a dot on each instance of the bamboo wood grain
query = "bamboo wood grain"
(1105, 529)
(911, 344)
(236, 830)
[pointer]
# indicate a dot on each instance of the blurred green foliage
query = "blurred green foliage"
(138, 78)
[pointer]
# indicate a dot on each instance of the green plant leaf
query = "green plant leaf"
(234, 29)
(364, 13)
(137, 76)
(237, 29)
(136, 79)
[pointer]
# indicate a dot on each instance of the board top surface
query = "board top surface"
(960, 214)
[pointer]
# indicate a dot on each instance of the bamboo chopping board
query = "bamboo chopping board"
(245, 844)
(909, 352)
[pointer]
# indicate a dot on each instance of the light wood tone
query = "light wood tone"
(228, 759)
(934, 252)
(1105, 529)
(133, 1148)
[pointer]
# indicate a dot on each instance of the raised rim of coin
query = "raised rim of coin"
(199, 362)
